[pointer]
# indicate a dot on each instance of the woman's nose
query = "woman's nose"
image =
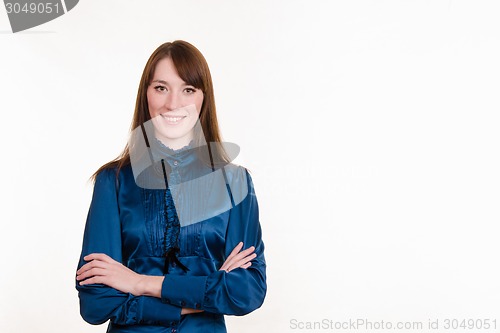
(172, 101)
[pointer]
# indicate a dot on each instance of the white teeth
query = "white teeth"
(172, 119)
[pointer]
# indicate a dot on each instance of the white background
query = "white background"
(371, 129)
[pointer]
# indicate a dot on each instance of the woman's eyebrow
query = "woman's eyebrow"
(160, 81)
(165, 82)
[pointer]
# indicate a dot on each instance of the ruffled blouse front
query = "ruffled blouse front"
(217, 209)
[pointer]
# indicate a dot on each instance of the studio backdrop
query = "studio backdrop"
(370, 129)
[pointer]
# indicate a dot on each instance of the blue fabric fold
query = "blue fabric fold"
(129, 223)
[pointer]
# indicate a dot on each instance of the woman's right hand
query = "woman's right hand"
(235, 260)
(239, 259)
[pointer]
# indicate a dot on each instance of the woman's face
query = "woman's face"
(174, 105)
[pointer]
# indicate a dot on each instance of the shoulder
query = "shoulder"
(240, 182)
(111, 173)
(236, 174)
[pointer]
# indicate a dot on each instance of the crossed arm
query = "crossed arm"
(109, 290)
(101, 268)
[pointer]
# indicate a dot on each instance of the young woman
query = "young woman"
(172, 241)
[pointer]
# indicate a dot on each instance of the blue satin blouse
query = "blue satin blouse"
(125, 222)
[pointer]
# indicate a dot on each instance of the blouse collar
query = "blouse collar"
(174, 157)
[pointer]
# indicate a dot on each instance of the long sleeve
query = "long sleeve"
(98, 302)
(238, 292)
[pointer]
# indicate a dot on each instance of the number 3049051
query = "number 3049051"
(32, 8)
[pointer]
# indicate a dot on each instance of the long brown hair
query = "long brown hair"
(193, 69)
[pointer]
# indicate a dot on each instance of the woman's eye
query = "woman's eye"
(160, 88)
(190, 90)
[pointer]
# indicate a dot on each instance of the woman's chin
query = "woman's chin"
(174, 141)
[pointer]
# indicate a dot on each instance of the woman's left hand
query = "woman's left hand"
(100, 268)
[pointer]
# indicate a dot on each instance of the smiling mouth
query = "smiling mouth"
(172, 119)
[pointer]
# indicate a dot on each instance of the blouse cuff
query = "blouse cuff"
(152, 311)
(184, 291)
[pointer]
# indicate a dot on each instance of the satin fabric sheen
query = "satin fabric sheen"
(126, 222)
